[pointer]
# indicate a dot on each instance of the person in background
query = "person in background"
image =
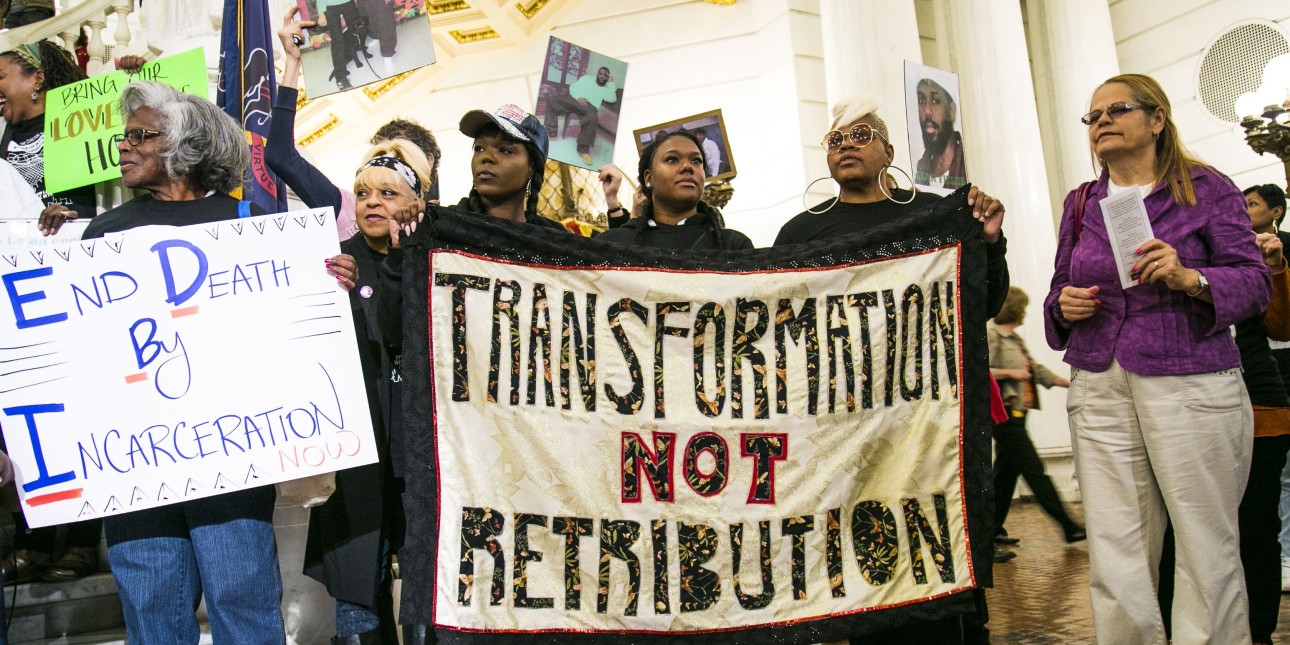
(82, 50)
(1260, 521)
(27, 74)
(1018, 376)
(26, 12)
(282, 157)
(1266, 205)
(352, 535)
(8, 501)
(859, 156)
(1258, 516)
(711, 153)
(1160, 417)
(674, 215)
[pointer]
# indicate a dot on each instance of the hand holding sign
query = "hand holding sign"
(53, 217)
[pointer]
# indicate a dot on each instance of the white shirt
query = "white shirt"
(711, 157)
(16, 196)
(586, 89)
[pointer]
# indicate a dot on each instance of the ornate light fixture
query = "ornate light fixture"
(1269, 130)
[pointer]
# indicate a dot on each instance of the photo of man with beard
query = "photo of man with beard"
(942, 164)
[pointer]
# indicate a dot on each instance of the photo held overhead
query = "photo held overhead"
(710, 129)
(586, 89)
(935, 138)
(357, 42)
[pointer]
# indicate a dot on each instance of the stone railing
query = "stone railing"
(67, 25)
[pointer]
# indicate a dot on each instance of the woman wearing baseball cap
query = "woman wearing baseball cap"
(506, 170)
(510, 155)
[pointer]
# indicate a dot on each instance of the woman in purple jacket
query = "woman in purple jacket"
(1161, 424)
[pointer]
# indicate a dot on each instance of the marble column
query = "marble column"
(1074, 52)
(1005, 157)
(866, 44)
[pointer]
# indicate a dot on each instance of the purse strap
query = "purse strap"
(1081, 199)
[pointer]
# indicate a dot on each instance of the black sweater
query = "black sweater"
(857, 219)
(24, 148)
(693, 233)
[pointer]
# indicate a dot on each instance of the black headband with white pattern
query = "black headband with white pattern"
(398, 166)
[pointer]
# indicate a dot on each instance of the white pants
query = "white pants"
(1150, 449)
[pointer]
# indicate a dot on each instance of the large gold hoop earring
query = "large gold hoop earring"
(882, 184)
(822, 210)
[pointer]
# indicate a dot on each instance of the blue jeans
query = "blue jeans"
(353, 619)
(4, 624)
(166, 559)
(1285, 512)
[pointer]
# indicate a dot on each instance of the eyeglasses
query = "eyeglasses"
(136, 137)
(1115, 111)
(860, 135)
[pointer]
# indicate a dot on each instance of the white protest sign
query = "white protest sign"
(173, 363)
(24, 234)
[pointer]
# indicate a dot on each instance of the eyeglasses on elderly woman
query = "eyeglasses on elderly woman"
(861, 135)
(1115, 111)
(136, 137)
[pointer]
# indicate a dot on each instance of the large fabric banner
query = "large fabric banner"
(621, 441)
(171, 363)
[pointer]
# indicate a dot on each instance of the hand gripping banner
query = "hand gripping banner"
(605, 440)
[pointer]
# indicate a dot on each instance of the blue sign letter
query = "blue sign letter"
(29, 412)
(162, 249)
(16, 299)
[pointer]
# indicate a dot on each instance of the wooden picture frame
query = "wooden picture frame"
(706, 121)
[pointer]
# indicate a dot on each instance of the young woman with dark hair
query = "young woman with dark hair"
(674, 215)
(27, 73)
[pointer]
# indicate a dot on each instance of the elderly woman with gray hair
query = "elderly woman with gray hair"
(188, 156)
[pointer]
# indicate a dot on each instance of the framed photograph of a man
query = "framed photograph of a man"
(358, 42)
(579, 101)
(935, 143)
(710, 129)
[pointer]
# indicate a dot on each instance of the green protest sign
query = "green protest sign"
(81, 118)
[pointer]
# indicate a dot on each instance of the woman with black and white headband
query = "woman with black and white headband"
(353, 535)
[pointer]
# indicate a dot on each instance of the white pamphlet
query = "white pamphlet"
(1128, 228)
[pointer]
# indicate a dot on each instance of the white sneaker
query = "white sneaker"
(1285, 575)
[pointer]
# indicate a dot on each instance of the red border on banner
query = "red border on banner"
(434, 420)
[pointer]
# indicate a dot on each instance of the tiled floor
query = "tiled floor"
(1041, 596)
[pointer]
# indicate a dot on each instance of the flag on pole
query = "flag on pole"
(247, 88)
